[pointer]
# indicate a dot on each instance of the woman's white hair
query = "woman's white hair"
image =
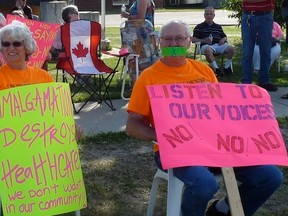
(20, 32)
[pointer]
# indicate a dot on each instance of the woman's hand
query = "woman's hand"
(78, 132)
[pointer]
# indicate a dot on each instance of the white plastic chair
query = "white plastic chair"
(125, 72)
(174, 195)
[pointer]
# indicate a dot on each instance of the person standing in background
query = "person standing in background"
(22, 5)
(145, 44)
(257, 22)
(277, 35)
(141, 9)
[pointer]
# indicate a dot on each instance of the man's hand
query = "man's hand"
(138, 126)
(222, 41)
(207, 40)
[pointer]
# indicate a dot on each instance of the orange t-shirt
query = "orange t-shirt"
(159, 73)
(10, 78)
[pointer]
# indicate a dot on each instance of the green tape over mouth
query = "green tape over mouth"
(174, 51)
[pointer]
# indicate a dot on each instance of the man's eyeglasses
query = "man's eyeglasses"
(177, 39)
(14, 44)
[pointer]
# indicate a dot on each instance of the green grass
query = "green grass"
(118, 171)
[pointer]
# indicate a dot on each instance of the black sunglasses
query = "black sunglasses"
(14, 44)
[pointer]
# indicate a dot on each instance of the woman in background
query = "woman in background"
(22, 5)
(145, 44)
(141, 9)
(277, 35)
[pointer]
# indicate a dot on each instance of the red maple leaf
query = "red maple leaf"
(80, 51)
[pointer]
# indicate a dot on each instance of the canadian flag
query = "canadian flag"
(84, 41)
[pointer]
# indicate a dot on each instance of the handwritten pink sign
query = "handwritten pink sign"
(216, 124)
(43, 33)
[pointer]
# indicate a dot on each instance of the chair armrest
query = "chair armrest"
(122, 53)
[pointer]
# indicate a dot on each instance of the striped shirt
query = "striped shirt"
(267, 5)
(203, 30)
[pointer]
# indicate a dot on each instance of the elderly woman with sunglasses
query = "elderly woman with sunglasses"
(17, 44)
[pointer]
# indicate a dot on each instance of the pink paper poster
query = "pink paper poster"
(44, 34)
(216, 124)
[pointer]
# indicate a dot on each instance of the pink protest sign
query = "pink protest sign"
(43, 33)
(216, 124)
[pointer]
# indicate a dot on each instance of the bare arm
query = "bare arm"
(138, 126)
(206, 40)
(142, 6)
(222, 41)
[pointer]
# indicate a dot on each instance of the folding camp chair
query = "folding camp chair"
(81, 60)
(197, 51)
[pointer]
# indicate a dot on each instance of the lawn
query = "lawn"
(118, 170)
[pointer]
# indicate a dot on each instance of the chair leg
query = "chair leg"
(175, 188)
(279, 63)
(77, 213)
(153, 195)
(125, 72)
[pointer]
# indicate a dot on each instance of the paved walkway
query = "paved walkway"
(191, 18)
(95, 118)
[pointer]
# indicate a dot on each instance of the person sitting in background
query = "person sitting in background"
(26, 9)
(277, 35)
(70, 13)
(213, 41)
(256, 183)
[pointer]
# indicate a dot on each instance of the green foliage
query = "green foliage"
(236, 7)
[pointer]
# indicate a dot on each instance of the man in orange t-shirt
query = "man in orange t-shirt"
(258, 183)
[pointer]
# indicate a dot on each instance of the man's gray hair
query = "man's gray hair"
(175, 21)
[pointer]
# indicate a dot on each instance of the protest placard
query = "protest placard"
(44, 35)
(40, 170)
(216, 124)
